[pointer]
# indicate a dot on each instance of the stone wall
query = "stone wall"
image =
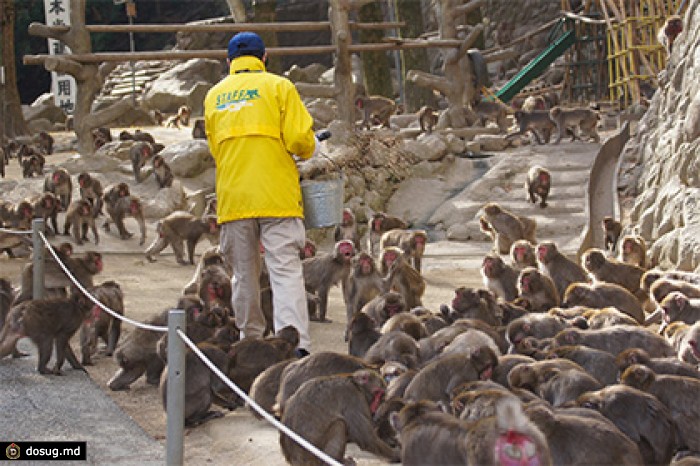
(660, 174)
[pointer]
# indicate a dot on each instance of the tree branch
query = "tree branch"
(423, 79)
(48, 32)
(468, 7)
(61, 64)
(469, 41)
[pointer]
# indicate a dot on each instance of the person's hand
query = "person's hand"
(323, 134)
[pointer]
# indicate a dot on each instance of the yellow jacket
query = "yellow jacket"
(255, 121)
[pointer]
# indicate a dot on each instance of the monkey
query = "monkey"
(607, 317)
(45, 142)
(669, 31)
(661, 366)
(32, 165)
(536, 122)
(139, 153)
(661, 287)
(325, 270)
(91, 191)
(103, 133)
(585, 118)
(162, 172)
(347, 229)
(471, 303)
(609, 270)
(677, 307)
(678, 393)
(333, 410)
(504, 227)
(46, 206)
(6, 302)
(394, 346)
(384, 306)
(427, 118)
(688, 343)
(408, 323)
(364, 283)
(214, 286)
(361, 334)
(537, 289)
(401, 276)
(379, 224)
(616, 339)
(114, 192)
(562, 270)
(602, 294)
(201, 323)
(411, 242)
(181, 118)
(79, 215)
(179, 226)
(534, 102)
(634, 250)
(100, 323)
(375, 106)
(600, 364)
(266, 385)
(522, 254)
(540, 326)
(499, 277)
(494, 111)
(211, 256)
(611, 229)
(127, 206)
(59, 183)
(49, 323)
(538, 183)
(198, 129)
(18, 215)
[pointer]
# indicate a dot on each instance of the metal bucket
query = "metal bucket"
(323, 202)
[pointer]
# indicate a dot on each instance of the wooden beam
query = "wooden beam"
(293, 26)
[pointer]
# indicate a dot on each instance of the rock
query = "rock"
(455, 145)
(40, 124)
(116, 149)
(134, 117)
(44, 107)
(188, 159)
(430, 147)
(403, 121)
(92, 164)
(691, 126)
(416, 199)
(489, 142)
(322, 113)
(185, 84)
(307, 74)
(166, 201)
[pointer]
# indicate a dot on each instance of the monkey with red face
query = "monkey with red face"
(669, 31)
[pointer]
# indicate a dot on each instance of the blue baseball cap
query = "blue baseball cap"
(246, 43)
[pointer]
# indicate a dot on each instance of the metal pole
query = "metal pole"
(175, 407)
(38, 259)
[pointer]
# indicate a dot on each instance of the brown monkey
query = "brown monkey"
(499, 277)
(411, 242)
(347, 229)
(394, 346)
(562, 270)
(427, 118)
(401, 276)
(48, 323)
(114, 192)
(688, 343)
(540, 326)
(162, 172)
(585, 118)
(103, 133)
(612, 229)
(375, 106)
(215, 286)
(101, 324)
(80, 216)
(6, 302)
(18, 215)
(669, 31)
(408, 323)
(363, 284)
(59, 183)
(32, 165)
(266, 385)
(384, 306)
(332, 411)
(325, 270)
(534, 102)
(661, 287)
(600, 364)
(181, 117)
(522, 253)
(537, 289)
(537, 122)
(678, 393)
(379, 224)
(129, 206)
(45, 142)
(178, 227)
(600, 295)
(616, 339)
(201, 323)
(472, 303)
(309, 249)
(505, 227)
(91, 191)
(212, 256)
(46, 206)
(634, 250)
(492, 111)
(198, 129)
(678, 307)
(609, 270)
(607, 317)
(362, 334)
(665, 366)
(539, 181)
(140, 153)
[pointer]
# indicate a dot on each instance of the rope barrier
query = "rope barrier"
(16, 232)
(92, 298)
(296, 437)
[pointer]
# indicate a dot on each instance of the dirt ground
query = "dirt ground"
(151, 287)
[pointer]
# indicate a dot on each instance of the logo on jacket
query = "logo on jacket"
(235, 100)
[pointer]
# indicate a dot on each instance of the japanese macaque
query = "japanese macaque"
(79, 216)
(381, 308)
(140, 153)
(198, 130)
(102, 133)
(181, 118)
(332, 411)
(499, 277)
(600, 295)
(538, 183)
(326, 270)
(127, 206)
(504, 227)
(562, 270)
(668, 366)
(669, 31)
(537, 122)
(139, 135)
(522, 253)
(611, 229)
(114, 192)
(363, 284)
(347, 229)
(677, 307)
(47, 206)
(48, 323)
(411, 242)
(401, 276)
(616, 339)
(59, 183)
(101, 324)
(534, 102)
(361, 334)
(492, 111)
(375, 106)
(18, 215)
(634, 250)
(427, 118)
(45, 142)
(610, 270)
(585, 118)
(162, 172)
(309, 249)
(91, 191)
(537, 289)
(32, 165)
(182, 226)
(379, 224)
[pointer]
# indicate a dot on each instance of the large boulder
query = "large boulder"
(184, 84)
(188, 159)
(43, 108)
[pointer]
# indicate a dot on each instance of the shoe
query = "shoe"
(301, 353)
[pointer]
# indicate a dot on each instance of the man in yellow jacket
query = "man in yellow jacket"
(255, 121)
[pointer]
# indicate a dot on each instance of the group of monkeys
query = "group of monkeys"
(30, 154)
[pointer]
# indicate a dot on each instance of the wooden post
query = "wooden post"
(340, 33)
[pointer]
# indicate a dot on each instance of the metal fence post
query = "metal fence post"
(38, 259)
(176, 388)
